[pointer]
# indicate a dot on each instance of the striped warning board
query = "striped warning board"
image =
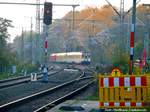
(121, 104)
(122, 91)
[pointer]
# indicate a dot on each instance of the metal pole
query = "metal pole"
(93, 27)
(22, 46)
(132, 34)
(38, 17)
(46, 43)
(122, 25)
(45, 69)
(31, 44)
(73, 18)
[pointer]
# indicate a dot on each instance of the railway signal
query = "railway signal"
(47, 13)
(47, 21)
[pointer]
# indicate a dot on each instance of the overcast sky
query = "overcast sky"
(21, 15)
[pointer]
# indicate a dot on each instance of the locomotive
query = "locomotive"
(71, 57)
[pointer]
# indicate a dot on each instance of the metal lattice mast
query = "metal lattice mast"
(121, 10)
(122, 24)
(31, 43)
(37, 29)
(38, 16)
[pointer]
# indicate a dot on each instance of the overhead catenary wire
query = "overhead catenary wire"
(17, 3)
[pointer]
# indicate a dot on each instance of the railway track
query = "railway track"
(10, 79)
(47, 98)
(17, 78)
(14, 81)
(25, 89)
(20, 80)
(64, 98)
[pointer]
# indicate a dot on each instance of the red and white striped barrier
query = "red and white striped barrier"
(123, 81)
(121, 104)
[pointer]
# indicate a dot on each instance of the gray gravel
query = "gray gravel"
(88, 92)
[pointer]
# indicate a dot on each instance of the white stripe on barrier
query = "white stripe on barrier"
(138, 104)
(117, 104)
(138, 81)
(116, 82)
(128, 104)
(126, 81)
(106, 104)
(106, 82)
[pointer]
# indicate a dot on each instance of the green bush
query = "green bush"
(27, 66)
(122, 61)
(136, 70)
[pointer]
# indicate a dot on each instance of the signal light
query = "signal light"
(47, 13)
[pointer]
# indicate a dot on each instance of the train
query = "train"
(71, 57)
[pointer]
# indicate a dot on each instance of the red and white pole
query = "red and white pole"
(132, 47)
(132, 35)
(45, 69)
(46, 45)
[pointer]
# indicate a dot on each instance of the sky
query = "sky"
(21, 14)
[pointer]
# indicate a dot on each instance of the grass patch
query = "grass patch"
(95, 95)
